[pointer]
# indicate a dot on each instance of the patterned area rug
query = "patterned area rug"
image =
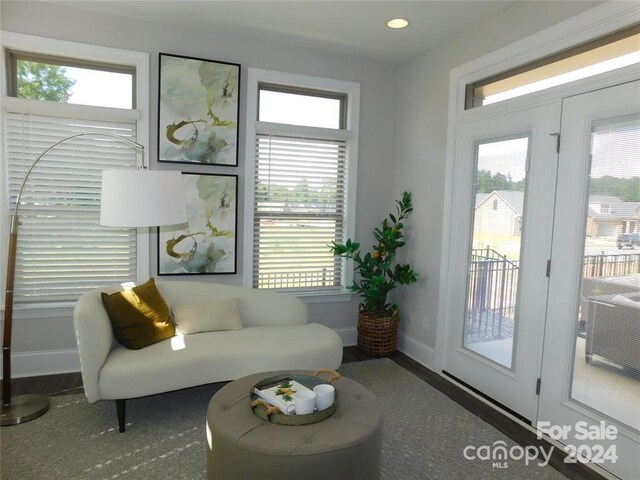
(425, 435)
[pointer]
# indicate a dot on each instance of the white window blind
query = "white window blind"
(300, 208)
(62, 250)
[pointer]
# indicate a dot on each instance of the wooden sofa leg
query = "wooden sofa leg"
(121, 407)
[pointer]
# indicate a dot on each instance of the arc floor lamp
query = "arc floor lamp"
(129, 198)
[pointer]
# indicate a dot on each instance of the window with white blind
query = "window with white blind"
(62, 250)
(304, 143)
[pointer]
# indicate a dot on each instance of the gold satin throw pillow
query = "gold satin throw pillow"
(139, 316)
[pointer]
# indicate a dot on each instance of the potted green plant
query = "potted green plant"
(379, 274)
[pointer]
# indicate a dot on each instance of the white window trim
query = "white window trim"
(352, 90)
(60, 48)
(583, 28)
(596, 22)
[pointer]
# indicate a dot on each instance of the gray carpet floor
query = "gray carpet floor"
(425, 434)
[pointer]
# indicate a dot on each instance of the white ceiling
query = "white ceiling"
(352, 27)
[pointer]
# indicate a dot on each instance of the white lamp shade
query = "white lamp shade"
(142, 198)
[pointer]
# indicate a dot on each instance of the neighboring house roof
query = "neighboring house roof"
(607, 199)
(627, 210)
(618, 209)
(514, 199)
(481, 197)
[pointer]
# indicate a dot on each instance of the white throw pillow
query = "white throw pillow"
(209, 316)
(625, 300)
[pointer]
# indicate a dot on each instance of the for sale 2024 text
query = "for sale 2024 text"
(583, 431)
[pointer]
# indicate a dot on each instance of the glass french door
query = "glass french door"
(497, 285)
(543, 282)
(590, 391)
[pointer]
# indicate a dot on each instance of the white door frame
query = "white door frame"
(556, 405)
(514, 386)
(596, 22)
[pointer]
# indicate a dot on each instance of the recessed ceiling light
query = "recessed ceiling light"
(398, 23)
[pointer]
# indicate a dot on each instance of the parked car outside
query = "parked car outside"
(630, 240)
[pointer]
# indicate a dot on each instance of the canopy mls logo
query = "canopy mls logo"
(499, 453)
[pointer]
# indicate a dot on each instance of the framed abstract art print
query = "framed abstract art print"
(198, 111)
(207, 244)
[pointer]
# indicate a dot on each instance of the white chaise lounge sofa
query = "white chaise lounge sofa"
(276, 335)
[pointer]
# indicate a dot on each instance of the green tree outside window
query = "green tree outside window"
(41, 81)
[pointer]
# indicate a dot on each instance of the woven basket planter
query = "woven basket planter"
(377, 336)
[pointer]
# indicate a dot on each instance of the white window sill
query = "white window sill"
(40, 310)
(59, 309)
(323, 297)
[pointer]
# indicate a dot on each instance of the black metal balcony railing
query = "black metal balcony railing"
(493, 283)
(611, 265)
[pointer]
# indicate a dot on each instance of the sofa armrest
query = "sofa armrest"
(94, 338)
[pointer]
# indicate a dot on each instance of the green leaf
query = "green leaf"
(378, 276)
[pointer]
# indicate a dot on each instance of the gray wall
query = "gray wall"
(377, 122)
(421, 136)
(403, 130)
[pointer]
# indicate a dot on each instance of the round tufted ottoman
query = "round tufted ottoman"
(346, 446)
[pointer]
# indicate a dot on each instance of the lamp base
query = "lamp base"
(24, 408)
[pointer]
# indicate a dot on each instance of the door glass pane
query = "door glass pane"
(606, 375)
(499, 191)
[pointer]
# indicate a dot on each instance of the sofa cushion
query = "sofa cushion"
(626, 300)
(258, 307)
(208, 357)
(139, 316)
(223, 314)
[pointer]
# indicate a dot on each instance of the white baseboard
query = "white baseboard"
(349, 336)
(48, 362)
(51, 362)
(420, 352)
